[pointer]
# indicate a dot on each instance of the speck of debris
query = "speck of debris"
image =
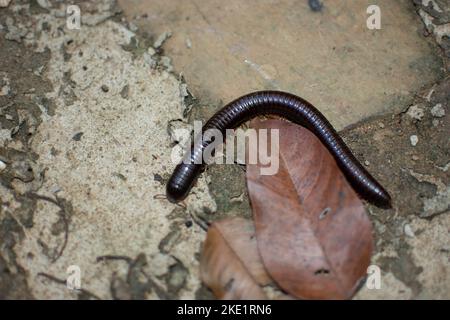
(105, 88)
(161, 39)
(151, 51)
(315, 5)
(367, 163)
(125, 91)
(438, 111)
(133, 27)
(44, 4)
(4, 3)
(416, 112)
(38, 71)
(158, 178)
(5, 88)
(414, 140)
(408, 231)
(120, 176)
(55, 189)
(167, 63)
(77, 136)
(2, 166)
(188, 223)
(54, 152)
(169, 241)
(188, 43)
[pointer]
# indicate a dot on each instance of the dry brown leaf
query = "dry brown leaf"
(313, 234)
(222, 267)
(230, 264)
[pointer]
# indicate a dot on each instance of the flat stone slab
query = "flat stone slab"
(228, 48)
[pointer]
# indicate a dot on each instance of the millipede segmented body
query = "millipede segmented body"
(292, 108)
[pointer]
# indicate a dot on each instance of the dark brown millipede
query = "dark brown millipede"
(294, 109)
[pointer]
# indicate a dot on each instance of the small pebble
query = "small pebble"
(167, 63)
(161, 39)
(125, 92)
(408, 231)
(151, 51)
(4, 91)
(435, 122)
(188, 43)
(4, 3)
(77, 136)
(38, 71)
(381, 125)
(315, 5)
(133, 27)
(414, 140)
(367, 163)
(55, 189)
(415, 158)
(158, 177)
(438, 111)
(105, 88)
(2, 166)
(45, 4)
(416, 112)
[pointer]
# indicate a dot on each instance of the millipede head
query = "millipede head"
(181, 181)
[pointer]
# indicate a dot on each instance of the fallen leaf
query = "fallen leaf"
(313, 234)
(230, 264)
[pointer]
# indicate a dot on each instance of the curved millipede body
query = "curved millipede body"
(294, 109)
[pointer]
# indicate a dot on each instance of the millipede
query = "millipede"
(292, 108)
